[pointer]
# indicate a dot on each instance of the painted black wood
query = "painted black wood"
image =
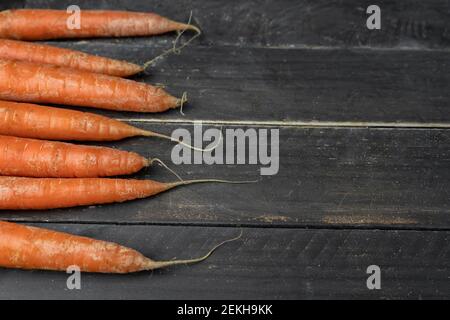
(266, 263)
(12, 4)
(343, 196)
(230, 84)
(285, 85)
(293, 23)
(327, 177)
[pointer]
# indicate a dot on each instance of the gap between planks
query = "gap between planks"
(162, 43)
(301, 124)
(239, 225)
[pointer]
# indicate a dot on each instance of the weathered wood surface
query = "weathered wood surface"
(411, 24)
(343, 199)
(265, 264)
(273, 83)
(298, 85)
(346, 177)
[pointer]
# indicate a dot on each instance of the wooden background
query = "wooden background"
(364, 155)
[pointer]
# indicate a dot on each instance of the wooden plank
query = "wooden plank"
(16, 4)
(266, 263)
(298, 23)
(327, 177)
(229, 84)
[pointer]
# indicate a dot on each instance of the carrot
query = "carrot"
(42, 122)
(34, 121)
(19, 193)
(24, 81)
(41, 24)
(39, 158)
(26, 247)
(45, 54)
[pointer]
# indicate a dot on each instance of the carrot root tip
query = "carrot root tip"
(181, 102)
(162, 164)
(152, 265)
(171, 185)
(194, 28)
(147, 162)
(176, 50)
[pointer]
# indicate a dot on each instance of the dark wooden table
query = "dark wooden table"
(363, 116)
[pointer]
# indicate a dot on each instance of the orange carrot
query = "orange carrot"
(42, 122)
(45, 54)
(34, 121)
(50, 193)
(24, 81)
(41, 24)
(39, 158)
(26, 247)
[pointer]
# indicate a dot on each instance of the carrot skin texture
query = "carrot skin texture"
(46, 54)
(29, 82)
(42, 122)
(18, 193)
(26, 247)
(33, 24)
(39, 158)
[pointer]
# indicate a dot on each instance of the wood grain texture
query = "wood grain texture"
(344, 198)
(273, 84)
(297, 23)
(327, 177)
(238, 84)
(264, 264)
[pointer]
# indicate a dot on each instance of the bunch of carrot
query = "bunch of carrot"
(39, 174)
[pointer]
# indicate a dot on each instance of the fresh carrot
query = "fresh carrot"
(41, 122)
(26, 247)
(41, 24)
(39, 158)
(19, 193)
(46, 54)
(29, 82)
